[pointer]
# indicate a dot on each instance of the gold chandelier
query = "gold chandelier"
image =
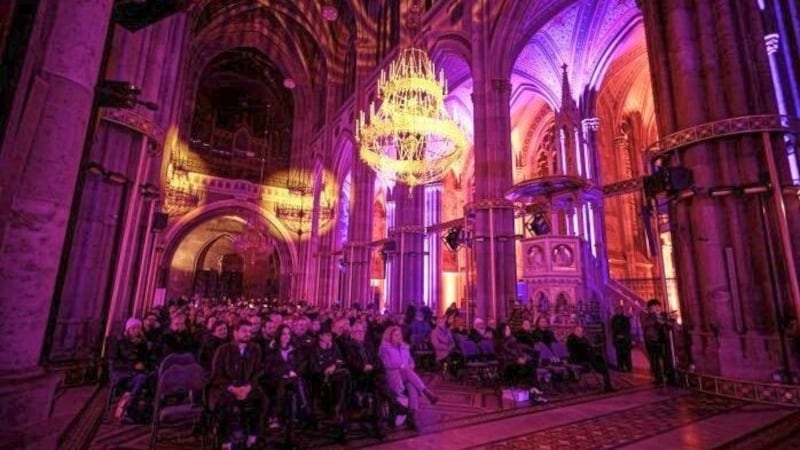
(411, 138)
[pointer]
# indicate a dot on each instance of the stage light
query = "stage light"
(539, 225)
(452, 239)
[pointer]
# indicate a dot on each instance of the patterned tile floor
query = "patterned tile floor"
(638, 416)
(622, 427)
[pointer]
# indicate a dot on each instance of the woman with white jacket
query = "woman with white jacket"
(400, 375)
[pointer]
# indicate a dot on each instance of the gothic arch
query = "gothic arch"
(176, 232)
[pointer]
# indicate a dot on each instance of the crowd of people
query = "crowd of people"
(326, 363)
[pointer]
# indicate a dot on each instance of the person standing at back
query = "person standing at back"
(621, 332)
(656, 327)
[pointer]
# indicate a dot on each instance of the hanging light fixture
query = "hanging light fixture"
(180, 195)
(411, 139)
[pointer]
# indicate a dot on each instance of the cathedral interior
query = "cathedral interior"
(494, 161)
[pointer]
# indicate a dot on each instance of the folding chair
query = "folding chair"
(184, 386)
(550, 362)
(175, 359)
(473, 367)
(577, 370)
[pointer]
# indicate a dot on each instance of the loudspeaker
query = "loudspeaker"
(653, 184)
(452, 239)
(160, 220)
(677, 178)
(667, 179)
(539, 225)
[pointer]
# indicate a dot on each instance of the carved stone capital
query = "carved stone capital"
(592, 123)
(772, 42)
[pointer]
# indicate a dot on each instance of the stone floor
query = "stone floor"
(637, 416)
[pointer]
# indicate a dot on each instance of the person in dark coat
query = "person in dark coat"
(234, 393)
(368, 376)
(621, 336)
(582, 353)
(132, 366)
(211, 342)
(330, 376)
(518, 362)
(178, 338)
(282, 376)
(542, 332)
(656, 327)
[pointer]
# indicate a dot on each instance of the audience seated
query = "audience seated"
(330, 378)
(211, 342)
(524, 334)
(283, 379)
(542, 332)
(279, 361)
(132, 367)
(479, 331)
(518, 363)
(368, 375)
(235, 395)
(581, 352)
(177, 339)
(400, 376)
(443, 343)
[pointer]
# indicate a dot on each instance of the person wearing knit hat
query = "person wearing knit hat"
(132, 323)
(130, 359)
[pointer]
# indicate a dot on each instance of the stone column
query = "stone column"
(41, 158)
(708, 63)
(494, 218)
(407, 273)
(362, 185)
(392, 257)
(433, 215)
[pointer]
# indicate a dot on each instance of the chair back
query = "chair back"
(545, 352)
(469, 349)
(486, 347)
(182, 379)
(560, 351)
(176, 359)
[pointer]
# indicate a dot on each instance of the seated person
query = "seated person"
(479, 331)
(367, 372)
(234, 394)
(211, 342)
(581, 352)
(177, 339)
(282, 376)
(420, 331)
(542, 332)
(543, 335)
(525, 334)
(131, 367)
(268, 341)
(151, 326)
(517, 362)
(329, 374)
(400, 375)
(444, 344)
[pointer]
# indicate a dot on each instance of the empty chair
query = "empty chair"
(176, 359)
(180, 398)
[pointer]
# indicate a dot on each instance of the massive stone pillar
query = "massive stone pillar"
(709, 64)
(112, 224)
(408, 233)
(494, 216)
(433, 273)
(41, 158)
